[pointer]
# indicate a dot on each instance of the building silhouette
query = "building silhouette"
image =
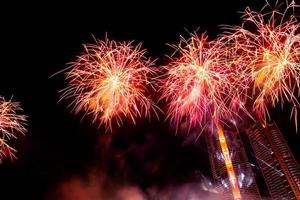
(242, 168)
(280, 170)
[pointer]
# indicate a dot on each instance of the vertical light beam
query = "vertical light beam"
(228, 163)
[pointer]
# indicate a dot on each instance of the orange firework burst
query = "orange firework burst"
(199, 85)
(109, 81)
(272, 42)
(11, 123)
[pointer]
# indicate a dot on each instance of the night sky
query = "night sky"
(63, 153)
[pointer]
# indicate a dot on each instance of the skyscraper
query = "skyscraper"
(280, 170)
(242, 168)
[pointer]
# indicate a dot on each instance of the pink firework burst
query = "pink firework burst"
(201, 85)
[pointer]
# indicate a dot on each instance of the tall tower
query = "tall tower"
(241, 165)
(278, 165)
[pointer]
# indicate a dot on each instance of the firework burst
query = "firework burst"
(270, 42)
(109, 81)
(11, 124)
(200, 85)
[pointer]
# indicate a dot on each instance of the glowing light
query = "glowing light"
(109, 80)
(11, 124)
(228, 163)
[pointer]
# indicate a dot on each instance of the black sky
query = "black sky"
(38, 39)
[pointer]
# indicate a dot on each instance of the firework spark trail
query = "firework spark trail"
(267, 164)
(109, 81)
(11, 124)
(202, 87)
(270, 42)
